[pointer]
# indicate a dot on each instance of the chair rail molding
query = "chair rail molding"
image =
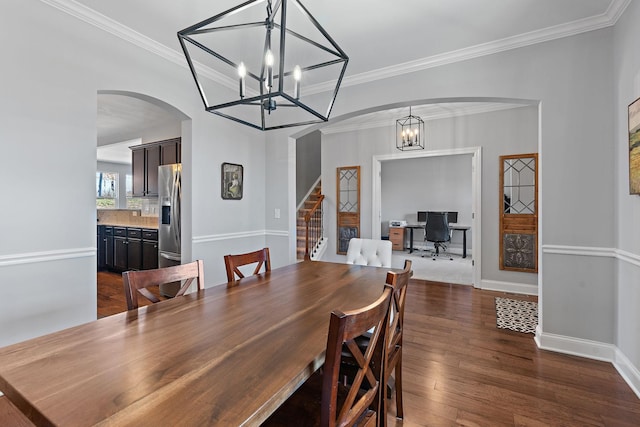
(238, 235)
(579, 250)
(46, 256)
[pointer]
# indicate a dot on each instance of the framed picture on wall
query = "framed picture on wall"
(634, 147)
(232, 176)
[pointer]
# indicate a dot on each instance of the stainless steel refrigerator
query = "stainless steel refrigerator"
(169, 235)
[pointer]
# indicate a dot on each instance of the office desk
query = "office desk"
(455, 227)
(222, 356)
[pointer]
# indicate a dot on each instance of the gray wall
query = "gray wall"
(307, 164)
(426, 184)
(627, 207)
(501, 132)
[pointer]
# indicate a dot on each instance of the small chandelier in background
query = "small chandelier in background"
(410, 133)
(243, 49)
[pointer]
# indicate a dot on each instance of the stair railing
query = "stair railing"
(313, 227)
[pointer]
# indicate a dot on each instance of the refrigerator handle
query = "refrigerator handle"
(175, 208)
(170, 257)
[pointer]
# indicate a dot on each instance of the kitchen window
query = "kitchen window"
(106, 190)
(132, 202)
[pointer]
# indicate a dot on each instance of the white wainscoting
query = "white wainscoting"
(587, 348)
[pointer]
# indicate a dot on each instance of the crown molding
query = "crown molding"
(466, 111)
(98, 20)
(607, 19)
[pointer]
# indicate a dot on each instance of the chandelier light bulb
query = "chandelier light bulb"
(268, 58)
(297, 76)
(242, 72)
(268, 61)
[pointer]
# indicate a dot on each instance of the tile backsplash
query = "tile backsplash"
(132, 217)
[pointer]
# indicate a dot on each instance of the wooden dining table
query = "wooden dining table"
(225, 356)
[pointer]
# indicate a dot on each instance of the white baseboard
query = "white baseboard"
(591, 350)
(629, 373)
(510, 287)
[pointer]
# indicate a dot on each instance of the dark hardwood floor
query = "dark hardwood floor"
(111, 299)
(460, 370)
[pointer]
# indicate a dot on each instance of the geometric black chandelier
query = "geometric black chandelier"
(279, 66)
(410, 133)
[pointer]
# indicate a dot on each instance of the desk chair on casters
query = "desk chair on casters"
(437, 231)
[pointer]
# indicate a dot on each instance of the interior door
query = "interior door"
(348, 206)
(519, 212)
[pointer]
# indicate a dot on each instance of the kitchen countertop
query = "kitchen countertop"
(116, 224)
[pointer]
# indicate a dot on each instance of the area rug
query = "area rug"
(520, 316)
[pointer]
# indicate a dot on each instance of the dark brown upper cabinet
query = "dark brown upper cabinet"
(145, 160)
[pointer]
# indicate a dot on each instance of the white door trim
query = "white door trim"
(476, 189)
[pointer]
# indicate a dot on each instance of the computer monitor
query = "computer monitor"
(452, 217)
(422, 216)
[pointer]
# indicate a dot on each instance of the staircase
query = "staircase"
(314, 224)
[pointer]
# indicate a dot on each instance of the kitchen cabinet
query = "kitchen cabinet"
(127, 248)
(134, 249)
(120, 252)
(170, 151)
(144, 166)
(149, 249)
(100, 246)
(108, 247)
(145, 160)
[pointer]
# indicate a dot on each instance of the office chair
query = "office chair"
(437, 231)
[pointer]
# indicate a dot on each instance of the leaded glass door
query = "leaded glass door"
(519, 212)
(348, 206)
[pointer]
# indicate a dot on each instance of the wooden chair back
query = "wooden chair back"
(364, 392)
(137, 282)
(395, 328)
(232, 262)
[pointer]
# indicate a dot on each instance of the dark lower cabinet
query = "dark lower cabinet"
(149, 249)
(127, 248)
(100, 246)
(134, 249)
(120, 249)
(108, 247)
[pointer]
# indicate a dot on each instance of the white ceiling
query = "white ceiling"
(381, 38)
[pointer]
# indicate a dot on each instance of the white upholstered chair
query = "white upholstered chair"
(376, 253)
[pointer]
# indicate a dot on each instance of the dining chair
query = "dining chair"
(398, 281)
(137, 282)
(323, 400)
(393, 351)
(232, 262)
(376, 253)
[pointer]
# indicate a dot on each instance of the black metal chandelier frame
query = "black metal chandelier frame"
(265, 100)
(410, 133)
